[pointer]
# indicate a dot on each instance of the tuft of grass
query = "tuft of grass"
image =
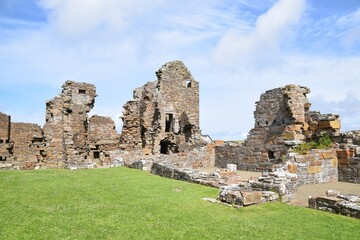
(121, 203)
(324, 142)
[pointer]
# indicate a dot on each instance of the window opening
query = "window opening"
(169, 122)
(188, 83)
(96, 155)
(271, 155)
(82, 91)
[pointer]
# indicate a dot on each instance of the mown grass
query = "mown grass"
(121, 203)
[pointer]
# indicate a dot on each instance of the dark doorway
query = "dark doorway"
(164, 146)
(271, 155)
(96, 155)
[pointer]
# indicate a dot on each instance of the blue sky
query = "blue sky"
(236, 49)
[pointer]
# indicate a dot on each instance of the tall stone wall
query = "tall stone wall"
(5, 129)
(163, 117)
(66, 127)
(279, 124)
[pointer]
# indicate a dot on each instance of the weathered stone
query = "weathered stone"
(164, 115)
(251, 197)
(292, 168)
(335, 124)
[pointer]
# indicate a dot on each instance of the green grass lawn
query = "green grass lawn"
(121, 203)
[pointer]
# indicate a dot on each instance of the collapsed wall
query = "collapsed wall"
(163, 117)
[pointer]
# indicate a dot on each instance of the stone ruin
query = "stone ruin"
(161, 134)
(335, 202)
(69, 138)
(163, 117)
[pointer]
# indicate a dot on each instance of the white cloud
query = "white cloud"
(260, 45)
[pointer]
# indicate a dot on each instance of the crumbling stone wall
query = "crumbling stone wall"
(279, 124)
(163, 117)
(27, 139)
(103, 139)
(348, 153)
(66, 127)
(282, 120)
(5, 129)
(318, 166)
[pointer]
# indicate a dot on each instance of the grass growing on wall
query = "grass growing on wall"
(121, 203)
(324, 142)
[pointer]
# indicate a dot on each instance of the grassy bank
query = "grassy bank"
(121, 203)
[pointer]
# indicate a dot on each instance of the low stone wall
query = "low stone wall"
(187, 175)
(344, 204)
(349, 163)
(275, 186)
(351, 172)
(228, 153)
(318, 166)
(201, 157)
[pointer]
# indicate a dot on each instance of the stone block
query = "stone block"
(327, 155)
(251, 197)
(334, 162)
(292, 168)
(289, 135)
(231, 167)
(313, 126)
(313, 169)
(335, 124)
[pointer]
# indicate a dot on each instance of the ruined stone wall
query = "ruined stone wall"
(27, 141)
(348, 153)
(282, 120)
(334, 202)
(229, 153)
(103, 139)
(163, 117)
(67, 123)
(279, 124)
(318, 166)
(5, 129)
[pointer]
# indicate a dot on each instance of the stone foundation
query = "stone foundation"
(344, 204)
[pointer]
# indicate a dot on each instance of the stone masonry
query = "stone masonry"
(5, 129)
(163, 117)
(103, 139)
(66, 127)
(68, 139)
(282, 120)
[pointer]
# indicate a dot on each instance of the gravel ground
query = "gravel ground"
(303, 192)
